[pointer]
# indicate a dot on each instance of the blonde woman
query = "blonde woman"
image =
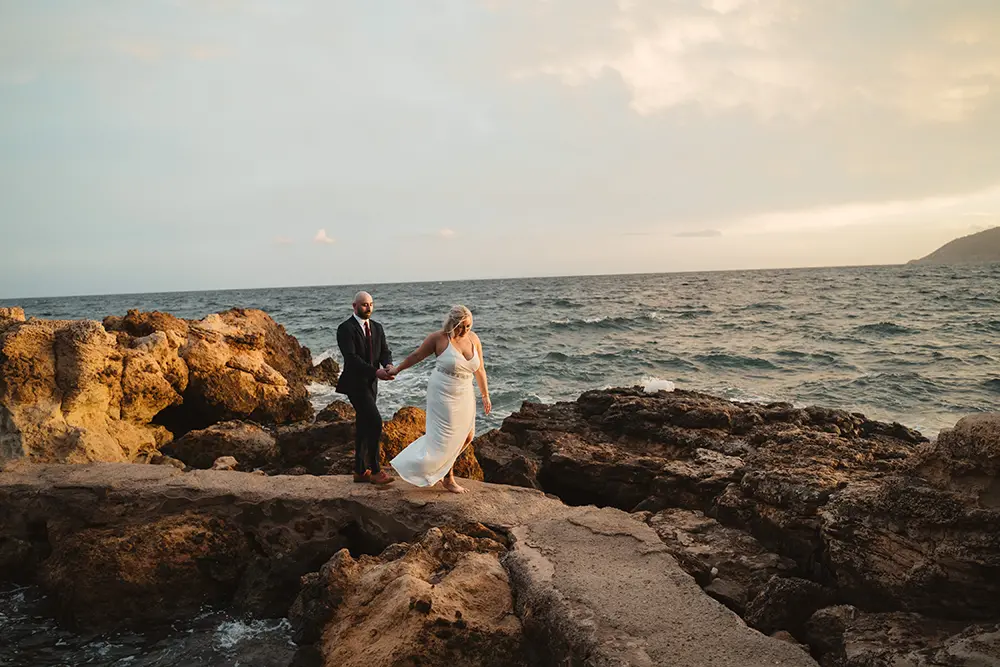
(451, 403)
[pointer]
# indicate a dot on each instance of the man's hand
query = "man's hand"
(381, 374)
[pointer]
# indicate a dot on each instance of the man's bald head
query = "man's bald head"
(363, 305)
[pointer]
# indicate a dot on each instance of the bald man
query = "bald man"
(367, 359)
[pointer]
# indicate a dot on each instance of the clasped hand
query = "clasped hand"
(387, 373)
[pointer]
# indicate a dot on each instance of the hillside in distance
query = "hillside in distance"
(980, 248)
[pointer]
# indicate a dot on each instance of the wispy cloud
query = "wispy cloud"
(446, 233)
(282, 240)
(322, 238)
(698, 234)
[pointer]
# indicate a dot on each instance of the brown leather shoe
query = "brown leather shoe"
(382, 477)
(366, 476)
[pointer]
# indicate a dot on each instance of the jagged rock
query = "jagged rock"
(899, 543)
(77, 391)
(250, 444)
(337, 411)
(630, 449)
(327, 445)
(966, 460)
(824, 631)
(325, 372)
(900, 640)
(242, 365)
(728, 563)
(891, 522)
(10, 316)
(786, 603)
(70, 393)
(445, 599)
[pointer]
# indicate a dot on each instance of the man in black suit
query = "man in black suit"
(367, 359)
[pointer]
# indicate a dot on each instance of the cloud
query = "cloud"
(698, 234)
(779, 57)
(322, 238)
(446, 233)
(282, 240)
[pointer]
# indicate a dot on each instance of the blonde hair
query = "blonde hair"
(456, 316)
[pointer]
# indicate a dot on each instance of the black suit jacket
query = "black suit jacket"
(358, 374)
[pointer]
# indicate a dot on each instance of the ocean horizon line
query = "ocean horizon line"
(5, 299)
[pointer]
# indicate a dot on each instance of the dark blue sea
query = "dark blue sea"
(914, 344)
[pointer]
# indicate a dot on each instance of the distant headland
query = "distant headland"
(980, 248)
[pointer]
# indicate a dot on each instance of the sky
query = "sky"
(209, 144)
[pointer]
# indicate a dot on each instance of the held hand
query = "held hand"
(392, 371)
(381, 374)
(487, 405)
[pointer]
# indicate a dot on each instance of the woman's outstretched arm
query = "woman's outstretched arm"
(426, 349)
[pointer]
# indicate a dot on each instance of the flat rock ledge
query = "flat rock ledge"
(590, 586)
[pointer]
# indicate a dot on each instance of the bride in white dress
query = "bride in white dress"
(451, 403)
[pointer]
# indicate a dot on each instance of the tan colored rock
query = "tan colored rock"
(225, 463)
(244, 365)
(11, 315)
(66, 396)
(77, 391)
(446, 599)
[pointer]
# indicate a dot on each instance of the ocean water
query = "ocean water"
(30, 638)
(914, 344)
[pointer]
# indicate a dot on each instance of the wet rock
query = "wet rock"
(108, 578)
(325, 372)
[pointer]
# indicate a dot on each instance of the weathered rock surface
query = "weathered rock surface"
(79, 391)
(446, 599)
(327, 445)
(250, 444)
(590, 586)
(133, 574)
(872, 513)
(845, 637)
(728, 563)
(11, 315)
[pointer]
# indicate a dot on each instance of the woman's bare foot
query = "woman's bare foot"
(450, 484)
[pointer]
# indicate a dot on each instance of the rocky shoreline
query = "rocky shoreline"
(855, 542)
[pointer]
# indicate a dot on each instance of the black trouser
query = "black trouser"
(367, 431)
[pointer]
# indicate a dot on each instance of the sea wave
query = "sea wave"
(885, 329)
(725, 360)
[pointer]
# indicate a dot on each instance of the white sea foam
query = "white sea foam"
(651, 384)
(325, 354)
(231, 633)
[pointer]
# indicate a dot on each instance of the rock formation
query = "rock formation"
(779, 511)
(500, 573)
(78, 391)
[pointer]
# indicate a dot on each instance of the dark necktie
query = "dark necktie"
(371, 348)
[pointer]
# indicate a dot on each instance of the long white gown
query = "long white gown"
(451, 416)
